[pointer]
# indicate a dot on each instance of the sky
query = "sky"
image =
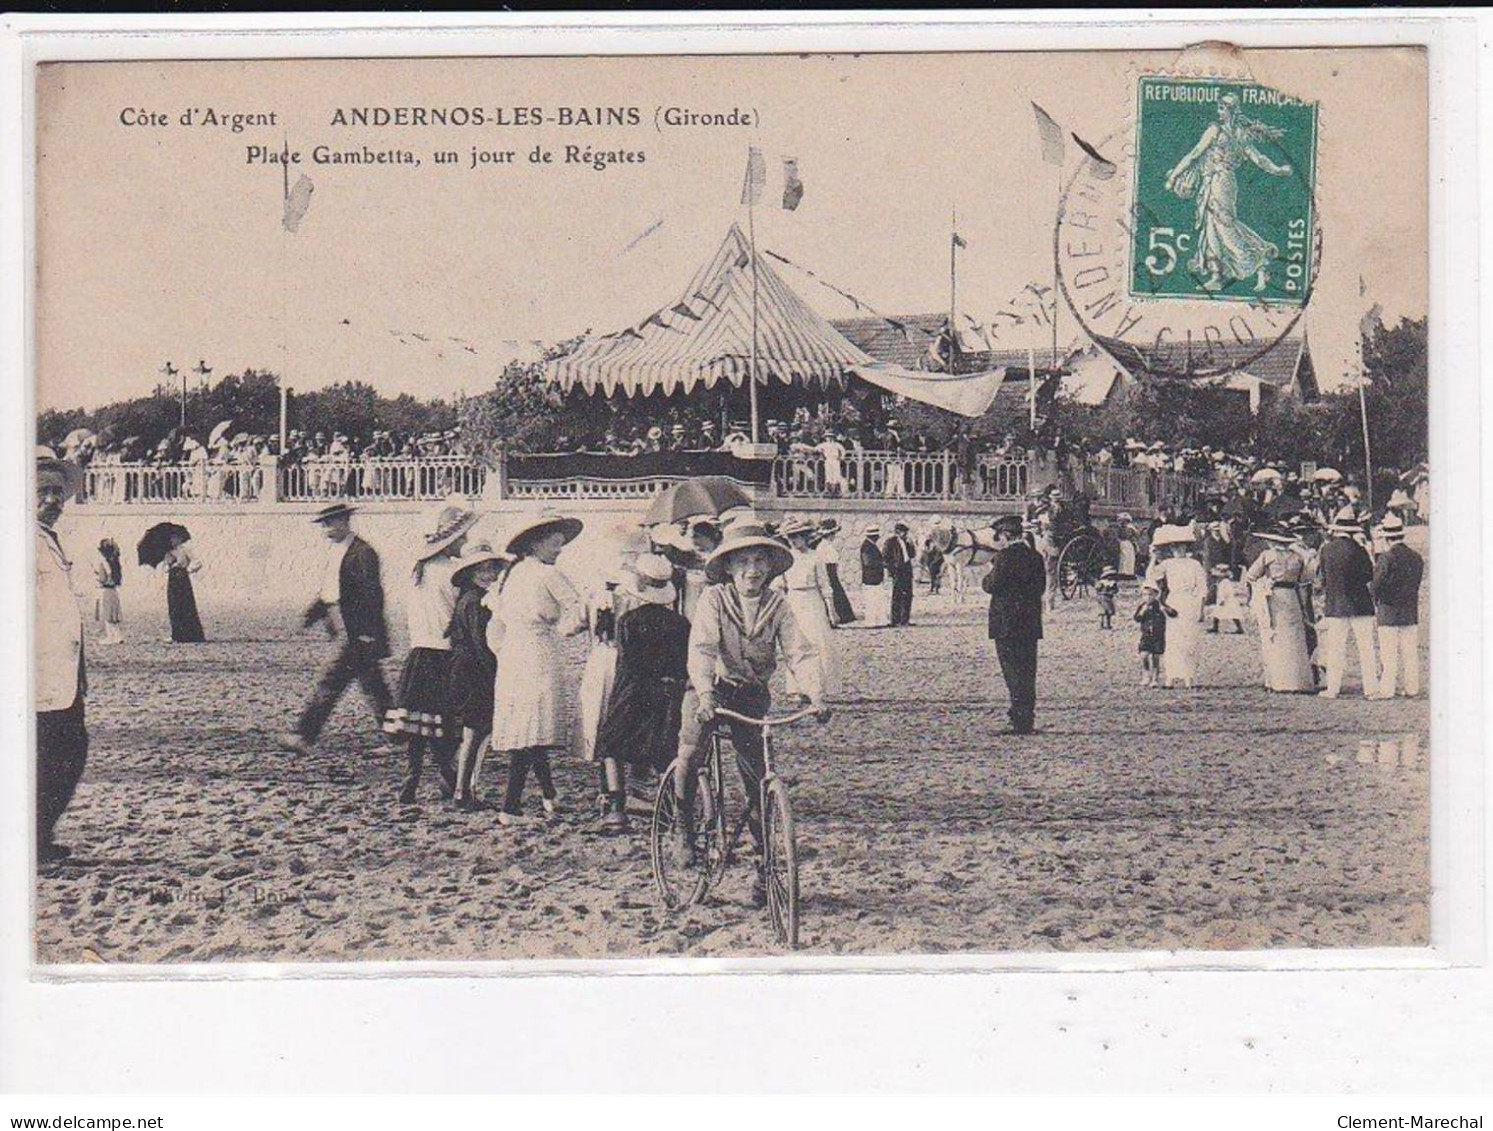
(159, 243)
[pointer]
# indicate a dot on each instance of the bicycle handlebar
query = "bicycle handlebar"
(781, 720)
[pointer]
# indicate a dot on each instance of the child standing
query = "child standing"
(740, 627)
(474, 668)
(534, 607)
(1151, 615)
(1105, 592)
(109, 573)
(421, 701)
(1230, 602)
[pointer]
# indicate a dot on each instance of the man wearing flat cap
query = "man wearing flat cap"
(61, 677)
(1016, 582)
(352, 584)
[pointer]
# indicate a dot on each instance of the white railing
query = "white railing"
(374, 478)
(173, 483)
(866, 475)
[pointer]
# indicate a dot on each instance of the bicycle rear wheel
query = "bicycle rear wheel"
(780, 863)
(681, 863)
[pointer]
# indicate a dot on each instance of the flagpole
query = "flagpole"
(953, 279)
(1031, 390)
(1056, 210)
(1368, 462)
(752, 233)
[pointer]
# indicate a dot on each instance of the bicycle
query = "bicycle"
(708, 849)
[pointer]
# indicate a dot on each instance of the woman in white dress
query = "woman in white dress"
(535, 606)
(1278, 583)
(810, 598)
(1184, 584)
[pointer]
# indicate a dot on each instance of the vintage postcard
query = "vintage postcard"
(574, 508)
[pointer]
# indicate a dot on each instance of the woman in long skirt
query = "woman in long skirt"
(109, 573)
(533, 609)
(420, 711)
(1185, 586)
(828, 556)
(1277, 581)
(181, 602)
(809, 598)
(641, 728)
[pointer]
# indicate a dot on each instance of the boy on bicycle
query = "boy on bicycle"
(740, 625)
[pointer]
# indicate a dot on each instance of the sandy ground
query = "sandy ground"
(1224, 817)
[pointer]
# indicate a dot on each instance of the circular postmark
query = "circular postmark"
(1187, 243)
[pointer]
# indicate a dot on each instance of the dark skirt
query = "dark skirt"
(181, 606)
(844, 611)
(421, 702)
(469, 696)
(641, 727)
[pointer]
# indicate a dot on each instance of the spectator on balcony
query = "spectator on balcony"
(832, 451)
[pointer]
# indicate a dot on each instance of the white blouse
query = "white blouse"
(431, 603)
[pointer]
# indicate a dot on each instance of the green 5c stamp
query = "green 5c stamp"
(1224, 176)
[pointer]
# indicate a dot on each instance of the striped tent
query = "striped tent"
(707, 336)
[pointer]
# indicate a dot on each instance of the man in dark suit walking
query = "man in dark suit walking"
(353, 585)
(901, 558)
(1016, 582)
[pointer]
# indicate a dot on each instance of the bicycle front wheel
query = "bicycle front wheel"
(681, 865)
(780, 863)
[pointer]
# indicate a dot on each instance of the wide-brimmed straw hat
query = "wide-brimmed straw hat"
(745, 537)
(1346, 521)
(475, 555)
(794, 527)
(538, 525)
(445, 523)
(653, 578)
(873, 531)
(72, 474)
(1171, 535)
(1392, 529)
(1221, 570)
(1279, 536)
(332, 512)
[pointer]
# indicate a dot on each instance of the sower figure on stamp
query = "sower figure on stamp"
(352, 584)
(1016, 583)
(61, 678)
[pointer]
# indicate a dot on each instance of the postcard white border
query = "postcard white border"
(314, 1008)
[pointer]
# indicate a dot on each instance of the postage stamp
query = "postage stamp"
(1223, 191)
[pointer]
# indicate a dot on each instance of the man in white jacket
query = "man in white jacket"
(61, 682)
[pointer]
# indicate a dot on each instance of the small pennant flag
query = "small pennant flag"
(1363, 288)
(297, 201)
(793, 187)
(756, 177)
(1102, 167)
(1371, 321)
(959, 240)
(684, 311)
(1052, 136)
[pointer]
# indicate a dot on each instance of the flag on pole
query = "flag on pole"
(959, 240)
(1371, 321)
(1052, 136)
(754, 187)
(1102, 167)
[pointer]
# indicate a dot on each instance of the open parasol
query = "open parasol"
(77, 437)
(219, 431)
(705, 494)
(1327, 475)
(157, 542)
(1265, 475)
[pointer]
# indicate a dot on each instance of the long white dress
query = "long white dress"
(809, 597)
(1186, 587)
(534, 608)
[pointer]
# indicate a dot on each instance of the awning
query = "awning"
(706, 336)
(968, 394)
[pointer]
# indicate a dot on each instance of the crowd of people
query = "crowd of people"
(697, 615)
